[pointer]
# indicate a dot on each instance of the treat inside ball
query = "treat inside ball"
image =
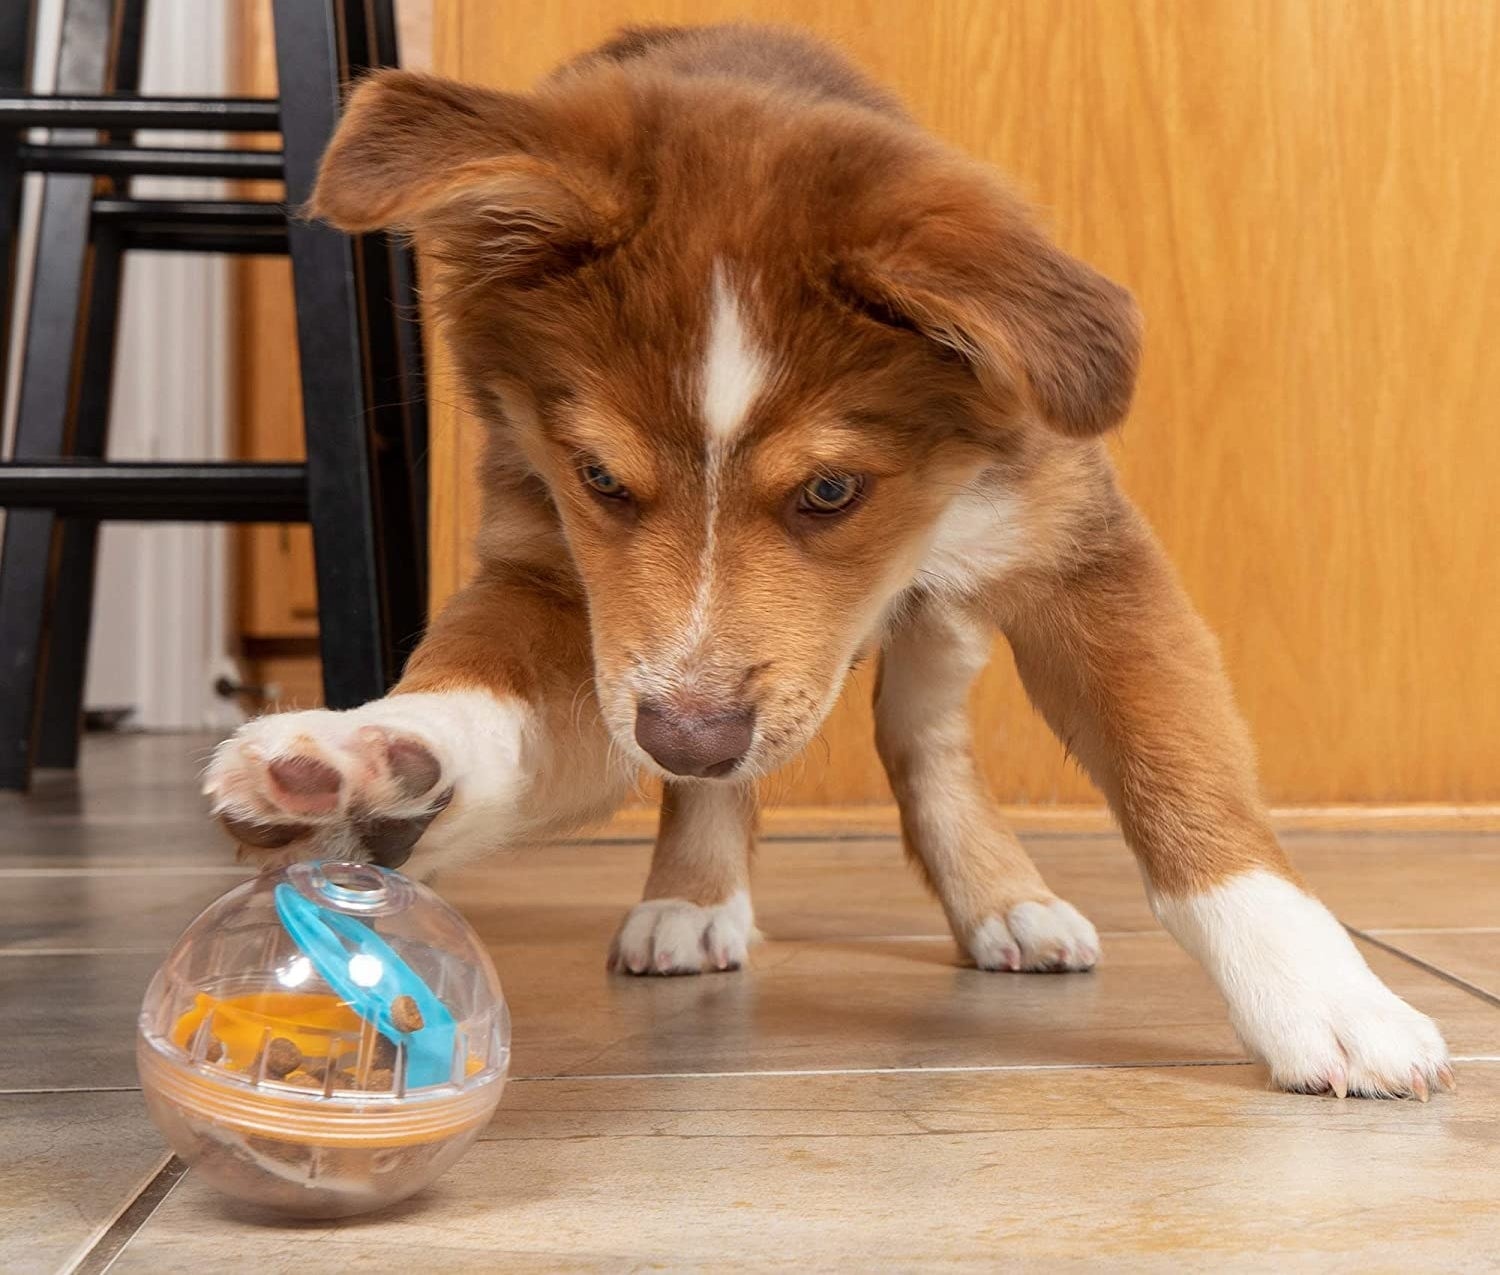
(324, 1040)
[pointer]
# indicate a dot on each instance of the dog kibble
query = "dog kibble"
(405, 1015)
(380, 1080)
(282, 1057)
(384, 1053)
(286, 1062)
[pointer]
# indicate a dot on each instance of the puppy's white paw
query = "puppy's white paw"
(362, 784)
(673, 936)
(1300, 994)
(1041, 937)
(1364, 1041)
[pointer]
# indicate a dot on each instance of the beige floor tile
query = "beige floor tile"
(70, 1020)
(803, 889)
(861, 886)
(897, 1003)
(837, 1004)
(69, 1163)
(1473, 956)
(1181, 1168)
(139, 841)
(133, 802)
(46, 909)
(1380, 881)
(958, 1157)
(829, 991)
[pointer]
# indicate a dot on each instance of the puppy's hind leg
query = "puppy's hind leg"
(1000, 910)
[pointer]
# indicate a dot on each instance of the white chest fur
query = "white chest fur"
(978, 538)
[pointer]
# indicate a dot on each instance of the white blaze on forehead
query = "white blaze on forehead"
(734, 372)
(733, 375)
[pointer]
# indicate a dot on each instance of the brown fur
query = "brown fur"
(924, 333)
(703, 287)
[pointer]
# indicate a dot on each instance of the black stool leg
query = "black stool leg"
(398, 531)
(28, 557)
(64, 664)
(60, 723)
(15, 77)
(405, 309)
(341, 504)
(16, 42)
(389, 315)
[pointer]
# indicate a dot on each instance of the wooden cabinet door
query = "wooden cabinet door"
(1301, 194)
(278, 591)
(276, 587)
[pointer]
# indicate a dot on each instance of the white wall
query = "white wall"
(161, 616)
(161, 628)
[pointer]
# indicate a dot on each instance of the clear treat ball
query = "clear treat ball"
(324, 1040)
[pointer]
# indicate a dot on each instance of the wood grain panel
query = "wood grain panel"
(276, 585)
(1301, 193)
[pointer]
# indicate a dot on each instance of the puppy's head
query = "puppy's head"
(752, 351)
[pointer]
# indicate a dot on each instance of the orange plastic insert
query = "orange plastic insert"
(310, 1020)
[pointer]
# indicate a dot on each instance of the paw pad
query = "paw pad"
(301, 785)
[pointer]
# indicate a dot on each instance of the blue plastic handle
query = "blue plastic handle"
(320, 933)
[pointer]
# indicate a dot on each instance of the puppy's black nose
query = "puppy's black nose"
(700, 745)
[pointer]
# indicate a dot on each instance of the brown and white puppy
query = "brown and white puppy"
(771, 379)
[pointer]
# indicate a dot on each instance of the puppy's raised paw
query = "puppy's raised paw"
(328, 784)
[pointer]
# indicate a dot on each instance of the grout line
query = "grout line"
(838, 940)
(1039, 832)
(975, 1069)
(1435, 929)
(854, 836)
(1488, 997)
(821, 939)
(83, 951)
(772, 1073)
(837, 837)
(146, 870)
(138, 1210)
(793, 1073)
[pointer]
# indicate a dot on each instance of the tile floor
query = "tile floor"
(855, 1101)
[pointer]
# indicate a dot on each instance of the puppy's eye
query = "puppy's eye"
(599, 480)
(830, 494)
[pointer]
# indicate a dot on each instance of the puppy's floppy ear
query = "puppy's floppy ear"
(481, 174)
(962, 261)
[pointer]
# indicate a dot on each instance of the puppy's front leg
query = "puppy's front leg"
(1130, 679)
(999, 908)
(695, 913)
(492, 738)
